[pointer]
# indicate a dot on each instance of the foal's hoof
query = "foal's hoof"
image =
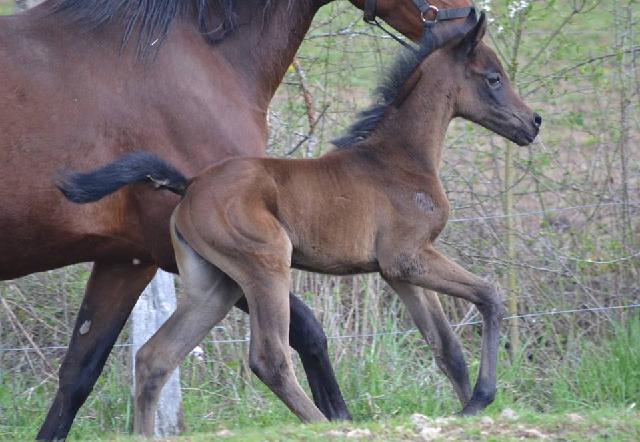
(474, 407)
(469, 410)
(480, 399)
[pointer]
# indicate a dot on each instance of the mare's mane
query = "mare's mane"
(151, 20)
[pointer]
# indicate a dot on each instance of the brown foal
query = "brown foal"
(375, 204)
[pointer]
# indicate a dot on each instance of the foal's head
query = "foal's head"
(477, 88)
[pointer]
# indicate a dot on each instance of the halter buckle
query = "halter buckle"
(430, 10)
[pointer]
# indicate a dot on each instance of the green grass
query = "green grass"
(601, 380)
(602, 425)
(606, 374)
(608, 424)
(6, 7)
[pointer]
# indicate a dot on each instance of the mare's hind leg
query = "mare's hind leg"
(210, 296)
(426, 311)
(111, 293)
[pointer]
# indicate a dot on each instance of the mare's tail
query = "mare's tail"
(132, 168)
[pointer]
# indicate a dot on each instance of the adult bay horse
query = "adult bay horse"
(84, 81)
(376, 204)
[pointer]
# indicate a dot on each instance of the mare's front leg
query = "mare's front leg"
(426, 311)
(308, 339)
(432, 270)
(111, 293)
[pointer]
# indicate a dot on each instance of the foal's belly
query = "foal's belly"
(334, 257)
(333, 266)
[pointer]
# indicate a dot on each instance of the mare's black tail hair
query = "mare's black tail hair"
(136, 167)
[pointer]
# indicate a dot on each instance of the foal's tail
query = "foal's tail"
(132, 168)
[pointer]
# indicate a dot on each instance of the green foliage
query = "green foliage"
(603, 374)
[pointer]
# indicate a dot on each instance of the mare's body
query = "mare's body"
(375, 205)
(73, 96)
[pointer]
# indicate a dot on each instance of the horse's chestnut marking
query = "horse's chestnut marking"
(85, 327)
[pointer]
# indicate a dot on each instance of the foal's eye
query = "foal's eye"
(493, 80)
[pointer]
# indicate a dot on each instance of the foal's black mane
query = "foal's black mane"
(387, 92)
(152, 19)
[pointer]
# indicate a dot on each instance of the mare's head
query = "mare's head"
(477, 87)
(405, 15)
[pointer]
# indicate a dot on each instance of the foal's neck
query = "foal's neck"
(412, 134)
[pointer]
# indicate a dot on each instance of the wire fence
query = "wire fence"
(373, 335)
(546, 211)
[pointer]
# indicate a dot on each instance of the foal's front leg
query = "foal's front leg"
(426, 311)
(432, 270)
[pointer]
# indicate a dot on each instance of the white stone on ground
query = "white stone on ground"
(359, 433)
(486, 421)
(509, 414)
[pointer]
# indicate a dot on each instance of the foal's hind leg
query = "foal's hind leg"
(426, 311)
(309, 340)
(111, 293)
(211, 294)
(269, 355)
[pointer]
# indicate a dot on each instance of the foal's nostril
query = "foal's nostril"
(537, 120)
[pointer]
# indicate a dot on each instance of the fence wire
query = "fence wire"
(373, 335)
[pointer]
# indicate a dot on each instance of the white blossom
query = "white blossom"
(516, 6)
(485, 5)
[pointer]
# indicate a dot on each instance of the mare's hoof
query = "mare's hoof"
(340, 415)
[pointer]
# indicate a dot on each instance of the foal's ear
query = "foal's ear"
(408, 86)
(474, 36)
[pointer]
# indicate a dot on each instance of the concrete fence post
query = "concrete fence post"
(155, 305)
(21, 5)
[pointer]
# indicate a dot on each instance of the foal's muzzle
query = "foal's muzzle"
(527, 131)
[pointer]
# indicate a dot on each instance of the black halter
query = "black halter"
(429, 15)
(428, 12)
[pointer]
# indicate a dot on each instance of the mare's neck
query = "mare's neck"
(259, 50)
(266, 41)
